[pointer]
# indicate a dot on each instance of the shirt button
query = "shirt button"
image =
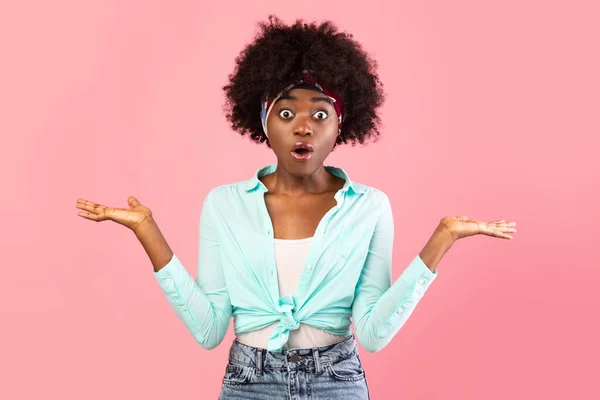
(183, 308)
(282, 336)
(308, 266)
(421, 282)
(169, 281)
(400, 310)
(322, 230)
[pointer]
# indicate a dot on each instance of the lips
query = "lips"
(302, 151)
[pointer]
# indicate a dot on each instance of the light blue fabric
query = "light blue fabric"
(348, 272)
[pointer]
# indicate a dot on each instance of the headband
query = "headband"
(267, 105)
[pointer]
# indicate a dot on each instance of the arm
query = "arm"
(203, 304)
(435, 248)
(381, 308)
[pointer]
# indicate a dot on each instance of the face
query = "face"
(302, 115)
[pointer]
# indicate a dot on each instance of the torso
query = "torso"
(299, 217)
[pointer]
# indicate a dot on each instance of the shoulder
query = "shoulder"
(372, 194)
(359, 189)
(227, 190)
(230, 193)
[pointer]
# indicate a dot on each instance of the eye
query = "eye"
(321, 114)
(285, 113)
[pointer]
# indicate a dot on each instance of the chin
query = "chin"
(300, 168)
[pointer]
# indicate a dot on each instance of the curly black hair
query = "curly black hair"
(279, 54)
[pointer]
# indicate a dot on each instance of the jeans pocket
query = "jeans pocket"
(349, 369)
(236, 374)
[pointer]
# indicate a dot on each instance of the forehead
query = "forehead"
(302, 95)
(305, 93)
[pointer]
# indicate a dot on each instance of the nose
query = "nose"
(303, 126)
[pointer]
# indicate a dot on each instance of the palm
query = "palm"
(132, 218)
(461, 227)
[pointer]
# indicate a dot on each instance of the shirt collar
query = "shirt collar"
(339, 172)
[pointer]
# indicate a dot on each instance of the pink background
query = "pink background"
(491, 111)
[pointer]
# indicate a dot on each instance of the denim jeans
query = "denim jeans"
(328, 372)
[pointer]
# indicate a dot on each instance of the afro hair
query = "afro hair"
(278, 55)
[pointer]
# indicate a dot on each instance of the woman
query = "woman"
(299, 249)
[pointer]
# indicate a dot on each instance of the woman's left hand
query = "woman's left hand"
(461, 227)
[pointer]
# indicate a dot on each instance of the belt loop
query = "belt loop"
(259, 361)
(317, 361)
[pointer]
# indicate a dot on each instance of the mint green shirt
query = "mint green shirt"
(347, 275)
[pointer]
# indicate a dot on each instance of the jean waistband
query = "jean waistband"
(289, 359)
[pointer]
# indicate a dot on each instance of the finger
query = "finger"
(90, 216)
(91, 207)
(84, 201)
(498, 223)
(502, 231)
(86, 206)
(500, 234)
(503, 227)
(133, 202)
(506, 227)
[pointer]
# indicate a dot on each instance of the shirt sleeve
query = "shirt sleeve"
(203, 304)
(381, 308)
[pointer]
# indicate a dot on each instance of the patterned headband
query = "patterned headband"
(267, 105)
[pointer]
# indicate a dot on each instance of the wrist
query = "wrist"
(146, 227)
(438, 244)
(445, 234)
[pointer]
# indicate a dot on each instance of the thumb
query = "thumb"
(133, 202)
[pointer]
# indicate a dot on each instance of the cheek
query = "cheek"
(330, 129)
(327, 141)
(271, 124)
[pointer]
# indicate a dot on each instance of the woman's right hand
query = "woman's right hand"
(134, 218)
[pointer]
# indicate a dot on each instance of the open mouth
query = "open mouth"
(302, 151)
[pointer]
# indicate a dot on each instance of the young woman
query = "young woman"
(299, 250)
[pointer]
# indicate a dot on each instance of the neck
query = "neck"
(283, 182)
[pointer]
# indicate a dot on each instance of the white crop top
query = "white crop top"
(290, 256)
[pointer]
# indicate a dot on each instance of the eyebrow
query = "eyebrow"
(313, 99)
